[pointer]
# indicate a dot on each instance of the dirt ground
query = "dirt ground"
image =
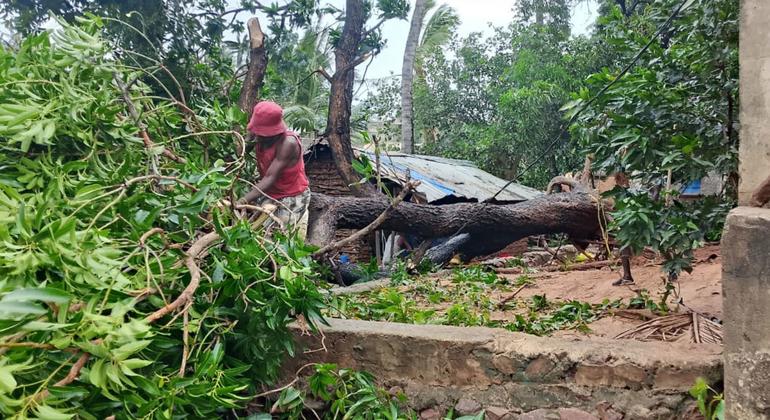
(700, 291)
(500, 299)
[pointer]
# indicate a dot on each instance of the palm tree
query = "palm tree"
(437, 31)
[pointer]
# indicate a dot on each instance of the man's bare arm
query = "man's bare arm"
(286, 155)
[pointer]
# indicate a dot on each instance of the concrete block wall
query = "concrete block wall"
(439, 367)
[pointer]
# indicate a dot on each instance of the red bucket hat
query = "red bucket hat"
(267, 120)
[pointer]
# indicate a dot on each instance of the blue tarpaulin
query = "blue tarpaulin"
(692, 188)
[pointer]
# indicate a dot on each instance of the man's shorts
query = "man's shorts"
(290, 212)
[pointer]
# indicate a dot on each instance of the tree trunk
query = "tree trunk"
(255, 72)
(491, 227)
(407, 76)
(341, 97)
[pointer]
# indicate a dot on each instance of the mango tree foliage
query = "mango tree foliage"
(676, 111)
(496, 101)
(79, 273)
(190, 39)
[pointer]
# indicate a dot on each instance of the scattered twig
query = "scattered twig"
(180, 181)
(512, 296)
(294, 381)
(575, 267)
(554, 254)
(27, 344)
(146, 235)
(690, 326)
(320, 71)
(71, 375)
(185, 339)
(580, 267)
(74, 371)
(323, 344)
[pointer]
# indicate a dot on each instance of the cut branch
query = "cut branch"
(255, 72)
(74, 370)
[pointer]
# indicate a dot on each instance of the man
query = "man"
(283, 182)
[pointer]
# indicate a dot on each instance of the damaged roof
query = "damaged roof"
(442, 178)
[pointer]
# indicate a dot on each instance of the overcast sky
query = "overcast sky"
(475, 16)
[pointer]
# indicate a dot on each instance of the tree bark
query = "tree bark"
(341, 97)
(491, 227)
(255, 73)
(407, 76)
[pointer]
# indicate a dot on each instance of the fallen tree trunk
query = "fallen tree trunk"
(491, 227)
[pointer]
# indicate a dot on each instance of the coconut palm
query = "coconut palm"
(437, 31)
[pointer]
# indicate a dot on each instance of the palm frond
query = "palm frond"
(439, 28)
(689, 327)
(301, 118)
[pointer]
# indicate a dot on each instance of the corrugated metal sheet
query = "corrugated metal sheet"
(441, 177)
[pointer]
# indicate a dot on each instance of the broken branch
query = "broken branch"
(257, 66)
(195, 276)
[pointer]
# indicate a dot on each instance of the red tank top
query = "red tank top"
(292, 181)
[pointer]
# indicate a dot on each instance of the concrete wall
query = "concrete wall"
(746, 290)
(755, 96)
(439, 367)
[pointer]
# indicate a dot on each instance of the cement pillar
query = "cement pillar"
(746, 291)
(746, 240)
(754, 153)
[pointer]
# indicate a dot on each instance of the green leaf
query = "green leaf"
(719, 411)
(687, 5)
(219, 272)
(45, 294)
(7, 382)
(285, 273)
(98, 374)
(126, 350)
(50, 413)
(136, 363)
(20, 308)
(699, 388)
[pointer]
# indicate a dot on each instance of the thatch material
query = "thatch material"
(689, 327)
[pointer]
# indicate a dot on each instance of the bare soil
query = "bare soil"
(700, 291)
